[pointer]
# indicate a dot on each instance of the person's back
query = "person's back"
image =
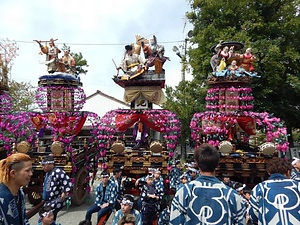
(207, 200)
(277, 200)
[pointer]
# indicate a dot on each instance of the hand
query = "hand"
(137, 182)
(104, 205)
(123, 179)
(152, 196)
(63, 195)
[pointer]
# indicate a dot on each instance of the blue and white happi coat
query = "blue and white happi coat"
(295, 175)
(119, 214)
(56, 182)
(9, 213)
(208, 201)
(147, 200)
(164, 217)
(53, 223)
(276, 201)
(110, 195)
(159, 186)
(175, 178)
(119, 187)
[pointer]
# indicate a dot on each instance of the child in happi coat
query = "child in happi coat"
(150, 201)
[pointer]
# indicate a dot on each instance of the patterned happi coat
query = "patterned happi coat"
(56, 182)
(119, 187)
(208, 201)
(295, 175)
(164, 217)
(110, 195)
(119, 214)
(9, 214)
(175, 178)
(159, 185)
(276, 201)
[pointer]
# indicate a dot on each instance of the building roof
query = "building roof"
(106, 96)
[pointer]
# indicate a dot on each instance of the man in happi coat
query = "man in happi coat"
(175, 176)
(276, 201)
(56, 187)
(206, 200)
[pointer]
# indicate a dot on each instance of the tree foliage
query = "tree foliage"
(80, 63)
(271, 29)
(23, 96)
(185, 100)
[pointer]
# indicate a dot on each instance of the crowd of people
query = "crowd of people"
(209, 200)
(199, 196)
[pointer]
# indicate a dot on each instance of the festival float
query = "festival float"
(140, 138)
(59, 128)
(246, 139)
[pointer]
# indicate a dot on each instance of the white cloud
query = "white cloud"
(110, 24)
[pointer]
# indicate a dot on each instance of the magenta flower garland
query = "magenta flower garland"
(164, 119)
(6, 102)
(217, 97)
(65, 98)
(15, 128)
(273, 127)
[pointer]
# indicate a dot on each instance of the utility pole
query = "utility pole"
(182, 56)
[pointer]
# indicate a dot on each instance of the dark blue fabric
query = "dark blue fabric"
(101, 212)
(276, 201)
(63, 76)
(9, 213)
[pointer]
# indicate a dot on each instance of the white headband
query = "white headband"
(47, 213)
(295, 161)
(241, 188)
(193, 169)
(104, 175)
(47, 162)
(127, 202)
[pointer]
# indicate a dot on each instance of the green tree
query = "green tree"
(80, 63)
(23, 96)
(271, 29)
(185, 100)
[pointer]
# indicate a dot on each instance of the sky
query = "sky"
(99, 29)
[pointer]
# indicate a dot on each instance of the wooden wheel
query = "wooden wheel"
(79, 190)
(35, 197)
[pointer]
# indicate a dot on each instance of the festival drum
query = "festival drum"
(56, 148)
(118, 146)
(225, 147)
(267, 148)
(23, 147)
(156, 146)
